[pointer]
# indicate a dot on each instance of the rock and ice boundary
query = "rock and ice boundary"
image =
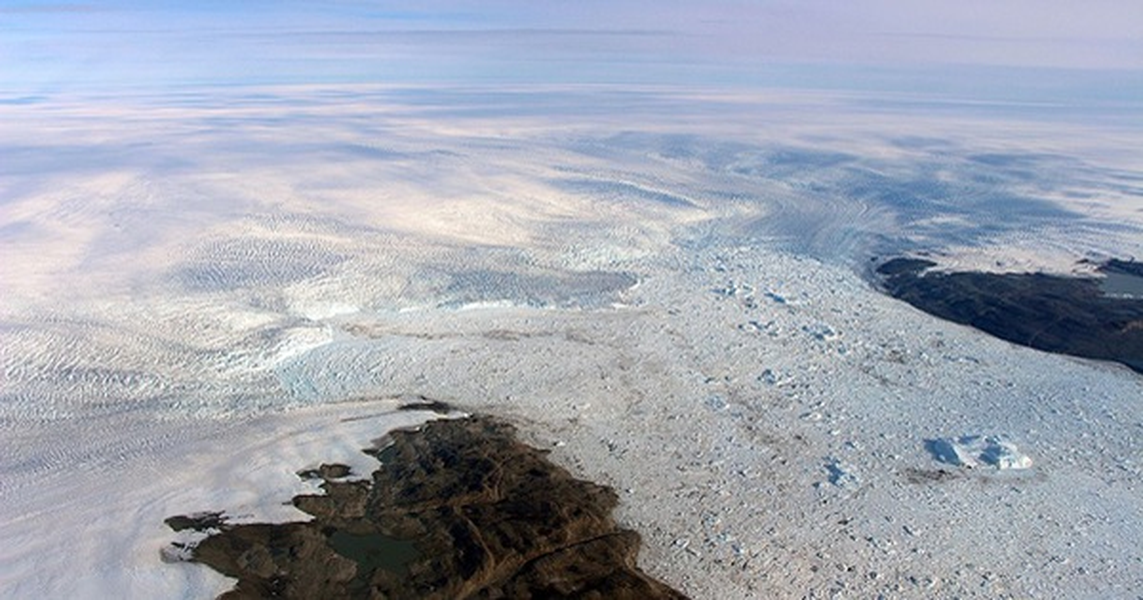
(457, 509)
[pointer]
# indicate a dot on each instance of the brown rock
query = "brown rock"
(458, 509)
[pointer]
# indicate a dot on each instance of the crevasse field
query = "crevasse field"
(204, 292)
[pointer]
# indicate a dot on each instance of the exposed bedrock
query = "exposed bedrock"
(1067, 315)
(458, 509)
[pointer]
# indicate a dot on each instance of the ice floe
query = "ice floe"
(972, 451)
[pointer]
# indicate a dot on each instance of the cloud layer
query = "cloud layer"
(53, 46)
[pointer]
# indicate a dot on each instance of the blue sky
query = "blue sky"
(52, 48)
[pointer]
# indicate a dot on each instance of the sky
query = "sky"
(53, 48)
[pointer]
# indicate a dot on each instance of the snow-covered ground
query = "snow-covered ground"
(668, 291)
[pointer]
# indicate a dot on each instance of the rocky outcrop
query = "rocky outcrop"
(458, 509)
(1067, 315)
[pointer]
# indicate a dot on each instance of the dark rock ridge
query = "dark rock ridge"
(458, 509)
(1067, 315)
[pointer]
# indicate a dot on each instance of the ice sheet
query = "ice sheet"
(186, 313)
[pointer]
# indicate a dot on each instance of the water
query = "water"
(372, 551)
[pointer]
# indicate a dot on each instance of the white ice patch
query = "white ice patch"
(319, 311)
(841, 474)
(972, 451)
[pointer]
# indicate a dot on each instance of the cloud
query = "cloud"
(509, 41)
